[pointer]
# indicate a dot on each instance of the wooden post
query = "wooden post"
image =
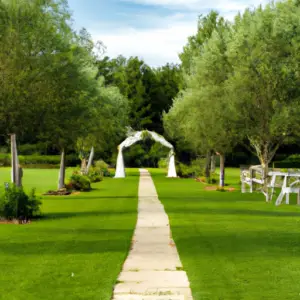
(298, 197)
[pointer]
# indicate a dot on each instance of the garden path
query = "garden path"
(152, 270)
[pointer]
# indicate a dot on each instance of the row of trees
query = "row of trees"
(149, 91)
(58, 90)
(241, 84)
(50, 91)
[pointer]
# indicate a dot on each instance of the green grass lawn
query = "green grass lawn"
(233, 245)
(87, 235)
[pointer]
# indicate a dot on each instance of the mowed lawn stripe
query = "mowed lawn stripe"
(233, 245)
(77, 250)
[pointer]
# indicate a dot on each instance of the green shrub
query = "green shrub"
(286, 165)
(4, 149)
(163, 163)
(79, 182)
(29, 149)
(102, 168)
(5, 159)
(40, 166)
(185, 171)
(291, 162)
(101, 164)
(213, 180)
(16, 204)
(198, 167)
(95, 174)
(220, 189)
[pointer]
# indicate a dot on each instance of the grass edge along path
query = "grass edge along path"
(232, 245)
(77, 250)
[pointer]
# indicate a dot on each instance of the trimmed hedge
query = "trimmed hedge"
(54, 160)
(292, 161)
(285, 165)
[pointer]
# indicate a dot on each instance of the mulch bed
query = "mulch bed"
(15, 221)
(62, 192)
(215, 188)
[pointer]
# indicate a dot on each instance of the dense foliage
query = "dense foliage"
(50, 80)
(70, 96)
(73, 97)
(243, 84)
(16, 204)
(79, 182)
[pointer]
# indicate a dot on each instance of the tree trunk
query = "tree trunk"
(265, 171)
(222, 170)
(208, 165)
(213, 163)
(83, 166)
(62, 171)
(265, 153)
(90, 160)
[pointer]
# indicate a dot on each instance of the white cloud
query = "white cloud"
(222, 5)
(156, 46)
(163, 38)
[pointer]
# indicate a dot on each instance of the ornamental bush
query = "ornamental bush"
(16, 204)
(95, 175)
(79, 182)
(102, 168)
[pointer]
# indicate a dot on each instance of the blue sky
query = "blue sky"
(155, 30)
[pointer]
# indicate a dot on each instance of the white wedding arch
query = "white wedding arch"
(134, 137)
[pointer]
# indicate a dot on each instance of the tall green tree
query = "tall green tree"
(201, 114)
(206, 26)
(50, 80)
(265, 83)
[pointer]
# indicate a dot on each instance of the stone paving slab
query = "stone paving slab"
(152, 270)
(141, 297)
(159, 278)
(125, 289)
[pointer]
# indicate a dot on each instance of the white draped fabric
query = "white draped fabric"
(138, 136)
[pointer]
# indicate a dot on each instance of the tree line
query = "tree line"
(60, 91)
(237, 84)
(241, 84)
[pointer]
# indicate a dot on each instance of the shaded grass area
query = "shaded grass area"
(77, 249)
(233, 245)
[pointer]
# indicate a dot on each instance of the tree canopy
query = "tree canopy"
(243, 83)
(50, 79)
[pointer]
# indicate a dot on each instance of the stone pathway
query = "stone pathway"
(152, 270)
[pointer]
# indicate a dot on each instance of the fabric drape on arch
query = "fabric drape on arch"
(138, 136)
